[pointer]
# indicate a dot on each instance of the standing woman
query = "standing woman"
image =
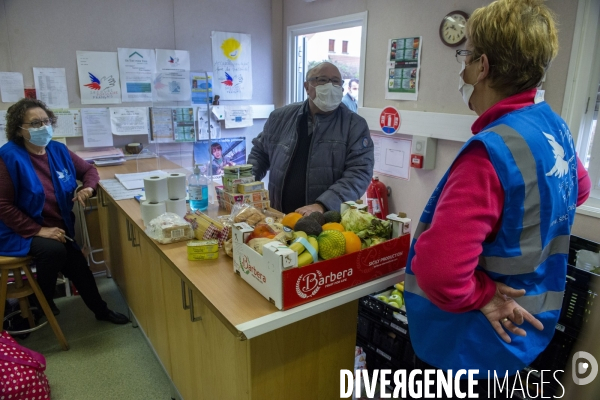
(37, 193)
(487, 268)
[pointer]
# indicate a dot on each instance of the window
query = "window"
(314, 42)
(345, 47)
(582, 97)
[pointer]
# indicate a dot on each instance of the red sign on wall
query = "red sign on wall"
(389, 120)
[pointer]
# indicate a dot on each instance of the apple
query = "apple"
(396, 299)
(394, 304)
(383, 298)
(397, 293)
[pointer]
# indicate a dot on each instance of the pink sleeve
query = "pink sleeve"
(584, 184)
(10, 214)
(469, 209)
(86, 172)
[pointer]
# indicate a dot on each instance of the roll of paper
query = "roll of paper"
(156, 189)
(151, 210)
(177, 206)
(176, 184)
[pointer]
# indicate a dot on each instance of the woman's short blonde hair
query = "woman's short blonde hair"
(520, 39)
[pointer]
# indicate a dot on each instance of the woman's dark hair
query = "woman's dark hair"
(16, 113)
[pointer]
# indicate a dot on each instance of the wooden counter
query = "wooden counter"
(216, 336)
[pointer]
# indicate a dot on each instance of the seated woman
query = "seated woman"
(37, 184)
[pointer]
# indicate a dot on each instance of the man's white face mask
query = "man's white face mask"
(328, 97)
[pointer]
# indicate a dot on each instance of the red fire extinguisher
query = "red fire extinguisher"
(377, 198)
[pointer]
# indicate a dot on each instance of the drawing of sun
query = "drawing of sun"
(231, 48)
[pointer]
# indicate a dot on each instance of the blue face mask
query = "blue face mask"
(40, 136)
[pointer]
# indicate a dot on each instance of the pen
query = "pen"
(68, 238)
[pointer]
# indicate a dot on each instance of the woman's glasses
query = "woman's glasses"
(36, 123)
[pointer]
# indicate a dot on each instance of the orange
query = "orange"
(333, 226)
(290, 219)
(352, 242)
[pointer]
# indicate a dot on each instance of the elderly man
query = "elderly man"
(319, 154)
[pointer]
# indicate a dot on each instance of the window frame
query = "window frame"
(342, 22)
(582, 77)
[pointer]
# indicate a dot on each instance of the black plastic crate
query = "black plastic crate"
(389, 342)
(390, 316)
(385, 341)
(364, 327)
(576, 243)
(577, 306)
(556, 355)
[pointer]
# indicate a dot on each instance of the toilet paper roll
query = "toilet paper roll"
(176, 185)
(151, 210)
(177, 206)
(156, 189)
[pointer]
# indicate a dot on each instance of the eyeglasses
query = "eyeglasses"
(323, 80)
(461, 55)
(36, 123)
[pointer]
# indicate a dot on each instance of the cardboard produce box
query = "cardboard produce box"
(275, 274)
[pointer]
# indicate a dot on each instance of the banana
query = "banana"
(399, 286)
(306, 258)
(313, 241)
(297, 246)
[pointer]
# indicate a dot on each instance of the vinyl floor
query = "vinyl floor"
(105, 361)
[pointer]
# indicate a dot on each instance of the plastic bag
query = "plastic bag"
(248, 214)
(169, 228)
(228, 247)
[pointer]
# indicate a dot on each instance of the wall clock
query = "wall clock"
(453, 28)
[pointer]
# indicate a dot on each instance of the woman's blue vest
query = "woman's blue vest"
(532, 152)
(29, 192)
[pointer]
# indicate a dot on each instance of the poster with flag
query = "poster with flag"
(172, 78)
(232, 65)
(98, 77)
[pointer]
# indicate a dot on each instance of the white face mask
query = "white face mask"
(328, 97)
(465, 89)
(354, 93)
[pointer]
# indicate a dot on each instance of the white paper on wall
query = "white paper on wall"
(232, 65)
(98, 77)
(172, 77)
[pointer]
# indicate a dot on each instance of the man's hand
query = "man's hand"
(52, 233)
(503, 312)
(82, 195)
(307, 210)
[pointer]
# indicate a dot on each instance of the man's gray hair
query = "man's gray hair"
(317, 66)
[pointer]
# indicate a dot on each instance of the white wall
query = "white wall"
(32, 35)
(438, 90)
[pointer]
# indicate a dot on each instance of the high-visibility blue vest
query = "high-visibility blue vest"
(29, 192)
(532, 152)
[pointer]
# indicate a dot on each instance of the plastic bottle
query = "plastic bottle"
(377, 198)
(198, 190)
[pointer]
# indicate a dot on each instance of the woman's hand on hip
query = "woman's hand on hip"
(503, 312)
(52, 233)
(82, 195)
